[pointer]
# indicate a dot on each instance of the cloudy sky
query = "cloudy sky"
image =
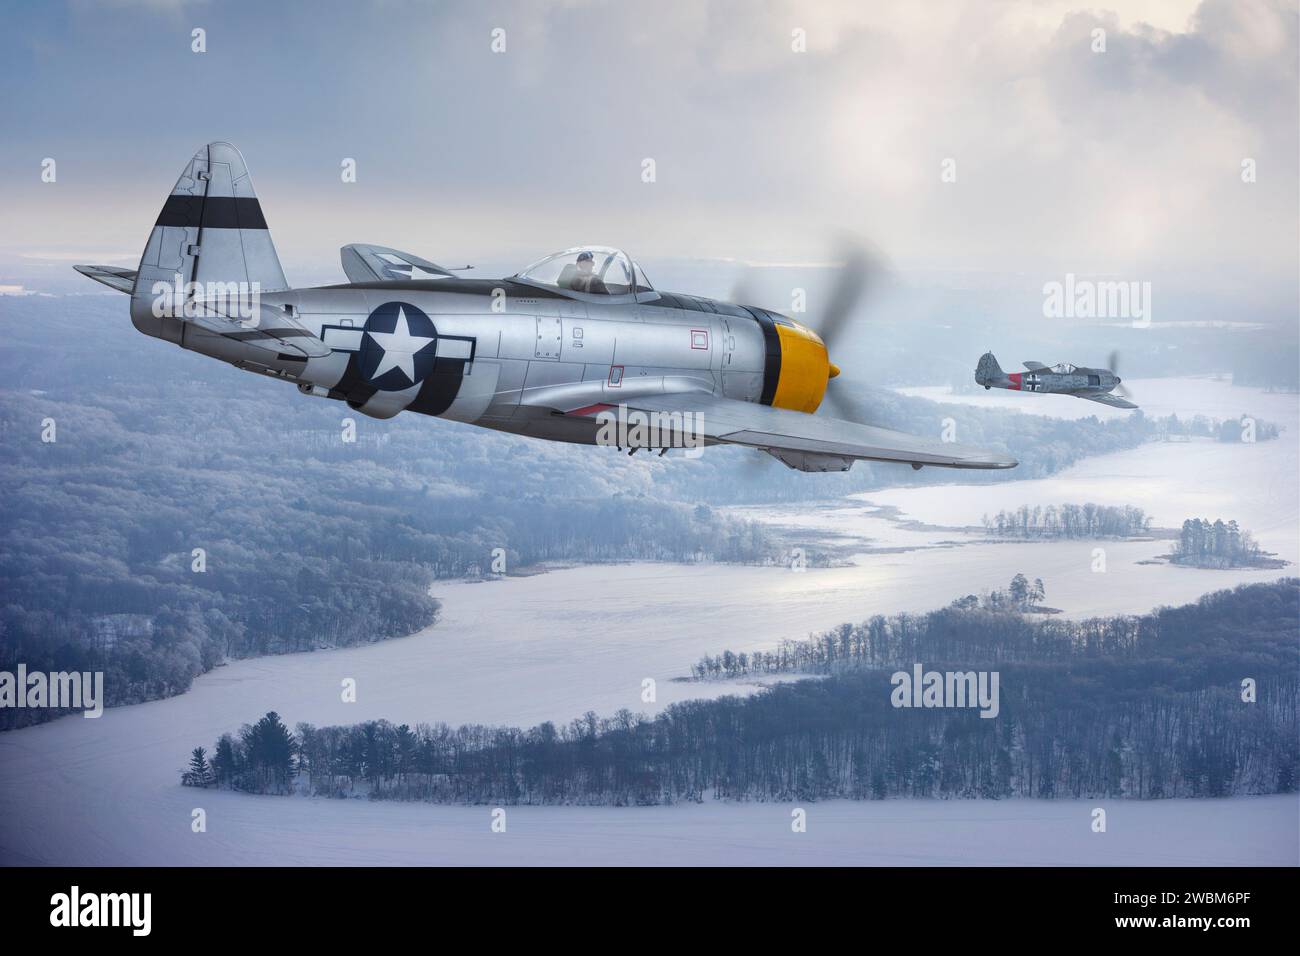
(1125, 161)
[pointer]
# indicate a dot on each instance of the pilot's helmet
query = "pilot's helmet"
(585, 256)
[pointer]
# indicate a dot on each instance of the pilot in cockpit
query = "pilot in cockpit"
(582, 276)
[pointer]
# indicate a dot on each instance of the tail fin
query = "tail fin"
(988, 371)
(210, 230)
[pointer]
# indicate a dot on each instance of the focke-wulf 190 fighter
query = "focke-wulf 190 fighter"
(542, 353)
(1094, 384)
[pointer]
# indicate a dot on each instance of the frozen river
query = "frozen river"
(555, 645)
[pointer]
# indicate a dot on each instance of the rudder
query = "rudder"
(211, 231)
(988, 371)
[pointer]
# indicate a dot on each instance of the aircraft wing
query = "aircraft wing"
(365, 263)
(1105, 398)
(1034, 366)
(804, 442)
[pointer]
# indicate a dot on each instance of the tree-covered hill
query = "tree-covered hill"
(1194, 701)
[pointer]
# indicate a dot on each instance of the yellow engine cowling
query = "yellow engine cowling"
(805, 369)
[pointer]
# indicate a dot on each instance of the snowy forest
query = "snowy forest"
(101, 573)
(877, 642)
(1069, 521)
(1191, 701)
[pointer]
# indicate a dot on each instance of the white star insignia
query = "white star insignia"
(399, 348)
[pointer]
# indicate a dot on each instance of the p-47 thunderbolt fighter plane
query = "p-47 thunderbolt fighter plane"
(1094, 384)
(543, 353)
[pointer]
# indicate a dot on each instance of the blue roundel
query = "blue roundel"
(398, 347)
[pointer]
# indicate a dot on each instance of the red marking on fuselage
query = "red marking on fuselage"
(1015, 380)
(591, 409)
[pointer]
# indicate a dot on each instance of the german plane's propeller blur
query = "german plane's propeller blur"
(544, 353)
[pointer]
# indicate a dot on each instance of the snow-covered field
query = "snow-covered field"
(555, 645)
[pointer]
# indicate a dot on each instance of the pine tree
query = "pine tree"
(225, 761)
(271, 751)
(1020, 590)
(198, 774)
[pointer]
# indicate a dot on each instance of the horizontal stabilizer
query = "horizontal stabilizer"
(123, 280)
(365, 263)
(270, 329)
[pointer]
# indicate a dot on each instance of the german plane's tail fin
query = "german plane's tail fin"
(988, 371)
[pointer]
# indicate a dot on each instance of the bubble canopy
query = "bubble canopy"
(595, 270)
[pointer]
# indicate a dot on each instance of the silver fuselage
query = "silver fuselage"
(495, 344)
